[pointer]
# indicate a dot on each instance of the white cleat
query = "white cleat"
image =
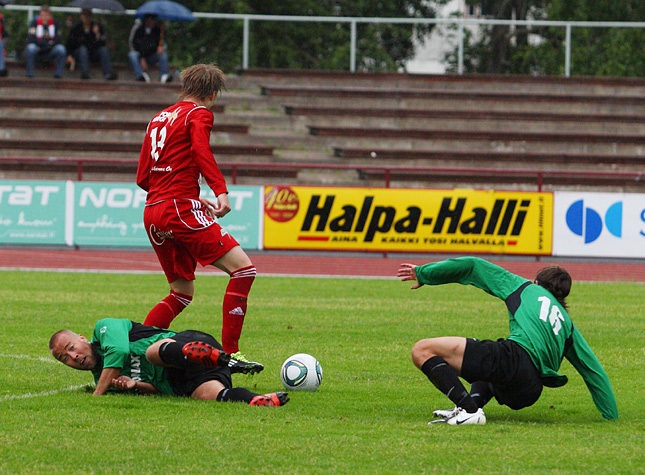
(461, 417)
(445, 413)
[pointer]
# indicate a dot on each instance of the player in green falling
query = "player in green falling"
(512, 370)
(126, 356)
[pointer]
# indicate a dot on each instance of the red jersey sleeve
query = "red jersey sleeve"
(143, 169)
(200, 125)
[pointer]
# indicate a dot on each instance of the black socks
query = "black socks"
(481, 393)
(445, 378)
(171, 353)
(236, 395)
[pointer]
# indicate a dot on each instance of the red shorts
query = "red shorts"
(182, 234)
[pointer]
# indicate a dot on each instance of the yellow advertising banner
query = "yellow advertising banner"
(385, 219)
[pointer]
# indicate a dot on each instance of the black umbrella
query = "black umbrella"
(109, 5)
(5, 2)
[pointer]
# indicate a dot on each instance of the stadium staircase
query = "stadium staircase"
(339, 128)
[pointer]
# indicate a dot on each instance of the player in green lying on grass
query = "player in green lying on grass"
(513, 370)
(126, 356)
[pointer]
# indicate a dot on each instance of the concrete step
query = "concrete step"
(461, 145)
(470, 104)
(118, 136)
(523, 162)
(56, 125)
(62, 146)
(418, 93)
(485, 134)
(512, 182)
(474, 124)
(17, 69)
(468, 82)
(504, 158)
(152, 106)
(34, 111)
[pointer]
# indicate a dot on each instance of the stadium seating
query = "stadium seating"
(339, 128)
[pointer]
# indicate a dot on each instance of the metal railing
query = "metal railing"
(80, 165)
(459, 23)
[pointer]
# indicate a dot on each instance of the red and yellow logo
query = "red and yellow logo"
(281, 204)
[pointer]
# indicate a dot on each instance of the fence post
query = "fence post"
(352, 47)
(245, 44)
(460, 50)
(567, 50)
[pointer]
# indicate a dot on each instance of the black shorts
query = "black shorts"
(185, 380)
(504, 364)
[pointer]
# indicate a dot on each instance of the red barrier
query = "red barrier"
(388, 172)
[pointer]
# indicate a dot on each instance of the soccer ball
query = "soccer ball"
(301, 372)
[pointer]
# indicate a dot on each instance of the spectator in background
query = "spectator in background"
(147, 47)
(44, 43)
(85, 44)
(3, 35)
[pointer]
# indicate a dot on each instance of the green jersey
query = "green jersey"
(123, 344)
(538, 323)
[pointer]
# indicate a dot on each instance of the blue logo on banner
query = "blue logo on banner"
(588, 223)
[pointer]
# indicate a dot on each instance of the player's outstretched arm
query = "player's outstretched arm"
(408, 272)
(105, 380)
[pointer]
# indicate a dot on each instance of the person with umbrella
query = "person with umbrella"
(85, 43)
(44, 43)
(147, 46)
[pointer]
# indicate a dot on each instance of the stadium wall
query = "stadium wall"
(563, 224)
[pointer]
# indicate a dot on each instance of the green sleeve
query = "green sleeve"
(113, 337)
(471, 271)
(583, 359)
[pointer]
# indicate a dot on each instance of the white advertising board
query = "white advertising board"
(599, 224)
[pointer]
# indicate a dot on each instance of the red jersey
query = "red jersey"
(175, 151)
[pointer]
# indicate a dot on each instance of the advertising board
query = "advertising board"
(599, 224)
(408, 220)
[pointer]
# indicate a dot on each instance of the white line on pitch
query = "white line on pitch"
(43, 393)
(32, 358)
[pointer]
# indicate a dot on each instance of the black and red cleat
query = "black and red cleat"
(271, 399)
(205, 354)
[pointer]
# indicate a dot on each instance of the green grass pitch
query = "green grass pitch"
(370, 414)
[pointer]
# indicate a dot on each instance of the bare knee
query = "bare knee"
(422, 351)
(183, 286)
(233, 260)
(450, 348)
(152, 353)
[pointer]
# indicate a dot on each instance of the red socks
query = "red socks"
(234, 307)
(165, 311)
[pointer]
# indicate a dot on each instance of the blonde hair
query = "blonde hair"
(201, 80)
